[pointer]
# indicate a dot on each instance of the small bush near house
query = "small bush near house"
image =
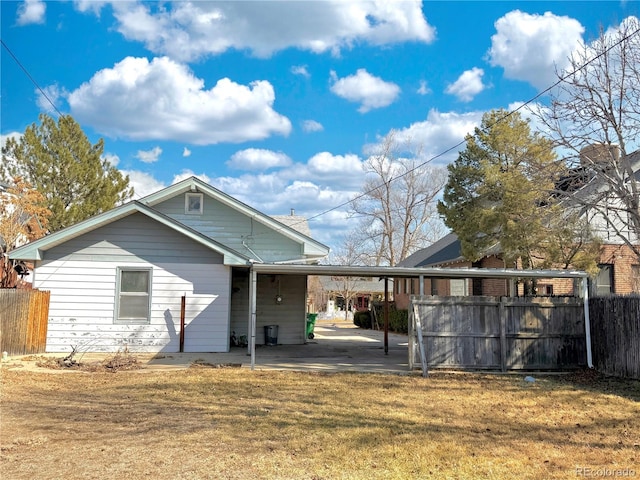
(362, 319)
(398, 319)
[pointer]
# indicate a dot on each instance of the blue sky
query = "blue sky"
(279, 103)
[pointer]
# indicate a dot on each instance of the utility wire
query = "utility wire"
(26, 72)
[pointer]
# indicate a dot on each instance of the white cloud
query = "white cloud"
(163, 100)
(531, 47)
(258, 159)
(468, 85)
(437, 137)
(423, 89)
(186, 173)
(48, 99)
(325, 163)
(143, 183)
(300, 70)
(371, 92)
(94, 6)
(311, 126)
(191, 30)
(186, 152)
(149, 156)
(31, 11)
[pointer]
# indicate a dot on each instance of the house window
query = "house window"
(133, 295)
(603, 284)
(545, 289)
(193, 203)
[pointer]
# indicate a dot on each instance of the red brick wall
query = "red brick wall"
(623, 259)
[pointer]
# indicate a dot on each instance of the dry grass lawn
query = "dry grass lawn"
(231, 423)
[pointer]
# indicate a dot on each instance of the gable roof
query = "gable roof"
(194, 184)
(310, 247)
(33, 250)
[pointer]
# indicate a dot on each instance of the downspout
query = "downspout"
(587, 323)
(253, 283)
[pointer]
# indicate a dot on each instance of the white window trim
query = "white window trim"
(187, 197)
(116, 310)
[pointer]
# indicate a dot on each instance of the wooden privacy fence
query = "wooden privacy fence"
(615, 335)
(23, 321)
(498, 333)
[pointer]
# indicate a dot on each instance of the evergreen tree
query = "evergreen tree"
(499, 194)
(61, 163)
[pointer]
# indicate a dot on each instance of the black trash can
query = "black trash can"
(271, 334)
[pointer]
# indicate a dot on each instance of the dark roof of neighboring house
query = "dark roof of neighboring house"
(445, 250)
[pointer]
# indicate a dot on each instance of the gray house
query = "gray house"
(118, 279)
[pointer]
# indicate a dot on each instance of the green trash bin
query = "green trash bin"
(311, 322)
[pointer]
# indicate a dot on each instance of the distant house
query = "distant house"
(118, 279)
(362, 292)
(619, 266)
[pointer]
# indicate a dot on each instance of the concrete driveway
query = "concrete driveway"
(337, 346)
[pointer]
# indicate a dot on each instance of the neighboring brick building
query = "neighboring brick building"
(619, 273)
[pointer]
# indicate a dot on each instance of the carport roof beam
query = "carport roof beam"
(407, 272)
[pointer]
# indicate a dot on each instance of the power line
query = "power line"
(26, 72)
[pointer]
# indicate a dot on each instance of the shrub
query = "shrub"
(398, 319)
(362, 319)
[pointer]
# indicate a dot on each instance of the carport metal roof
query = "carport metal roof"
(409, 272)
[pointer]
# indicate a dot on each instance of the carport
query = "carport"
(386, 273)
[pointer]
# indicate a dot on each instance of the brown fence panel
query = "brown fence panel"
(615, 335)
(545, 333)
(493, 333)
(23, 321)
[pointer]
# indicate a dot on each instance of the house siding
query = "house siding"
(82, 273)
(289, 315)
(234, 229)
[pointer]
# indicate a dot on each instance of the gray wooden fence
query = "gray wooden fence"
(23, 321)
(615, 335)
(501, 333)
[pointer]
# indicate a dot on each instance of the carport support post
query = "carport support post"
(253, 284)
(386, 315)
(587, 321)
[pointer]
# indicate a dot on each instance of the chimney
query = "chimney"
(293, 212)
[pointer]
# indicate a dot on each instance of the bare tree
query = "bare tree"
(396, 213)
(348, 253)
(594, 119)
